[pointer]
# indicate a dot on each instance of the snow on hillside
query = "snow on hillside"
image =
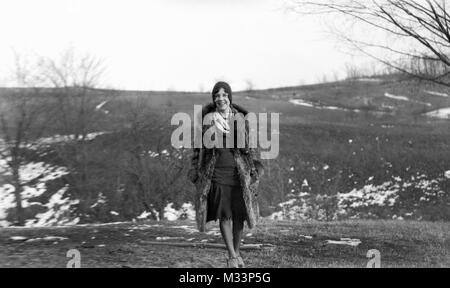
(365, 79)
(59, 211)
(186, 212)
(47, 141)
(301, 102)
(99, 107)
(434, 93)
(59, 208)
(447, 174)
(42, 173)
(33, 177)
(301, 205)
(404, 98)
(443, 113)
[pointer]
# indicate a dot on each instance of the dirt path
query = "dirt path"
(297, 245)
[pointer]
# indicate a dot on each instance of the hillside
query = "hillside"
(375, 148)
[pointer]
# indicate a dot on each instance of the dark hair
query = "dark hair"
(225, 87)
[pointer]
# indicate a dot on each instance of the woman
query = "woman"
(226, 178)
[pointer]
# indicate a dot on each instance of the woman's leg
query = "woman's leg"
(227, 235)
(238, 228)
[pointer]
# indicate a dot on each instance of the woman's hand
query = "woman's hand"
(259, 167)
(193, 175)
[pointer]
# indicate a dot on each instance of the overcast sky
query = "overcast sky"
(176, 44)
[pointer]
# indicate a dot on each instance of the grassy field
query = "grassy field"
(296, 244)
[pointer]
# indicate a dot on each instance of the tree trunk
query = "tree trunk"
(18, 196)
(161, 213)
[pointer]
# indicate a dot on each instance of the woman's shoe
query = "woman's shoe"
(233, 263)
(240, 262)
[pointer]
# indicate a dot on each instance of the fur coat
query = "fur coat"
(249, 167)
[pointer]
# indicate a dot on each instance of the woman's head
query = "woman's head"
(222, 95)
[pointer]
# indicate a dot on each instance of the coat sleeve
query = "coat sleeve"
(254, 153)
(193, 170)
(193, 173)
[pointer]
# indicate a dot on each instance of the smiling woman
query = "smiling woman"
(226, 178)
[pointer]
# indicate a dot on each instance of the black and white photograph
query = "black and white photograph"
(252, 134)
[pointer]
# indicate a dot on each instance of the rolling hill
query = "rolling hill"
(373, 148)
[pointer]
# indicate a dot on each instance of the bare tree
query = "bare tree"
(155, 169)
(249, 86)
(417, 32)
(74, 77)
(26, 114)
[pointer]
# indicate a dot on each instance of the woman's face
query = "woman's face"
(221, 100)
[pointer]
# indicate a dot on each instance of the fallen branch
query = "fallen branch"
(210, 245)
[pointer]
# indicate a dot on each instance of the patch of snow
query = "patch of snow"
(4, 168)
(380, 195)
(7, 201)
(364, 79)
(404, 98)
(276, 216)
(443, 113)
(301, 102)
(18, 238)
(213, 233)
(96, 224)
(47, 238)
(306, 237)
(58, 213)
(153, 154)
(305, 182)
(168, 238)
(447, 174)
(187, 211)
(188, 229)
(48, 172)
(144, 215)
(436, 93)
(345, 241)
(101, 200)
(395, 97)
(57, 138)
(37, 172)
(287, 203)
(99, 106)
(144, 227)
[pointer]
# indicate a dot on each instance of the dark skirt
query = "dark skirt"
(226, 202)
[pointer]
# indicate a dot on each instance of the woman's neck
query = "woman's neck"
(225, 112)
